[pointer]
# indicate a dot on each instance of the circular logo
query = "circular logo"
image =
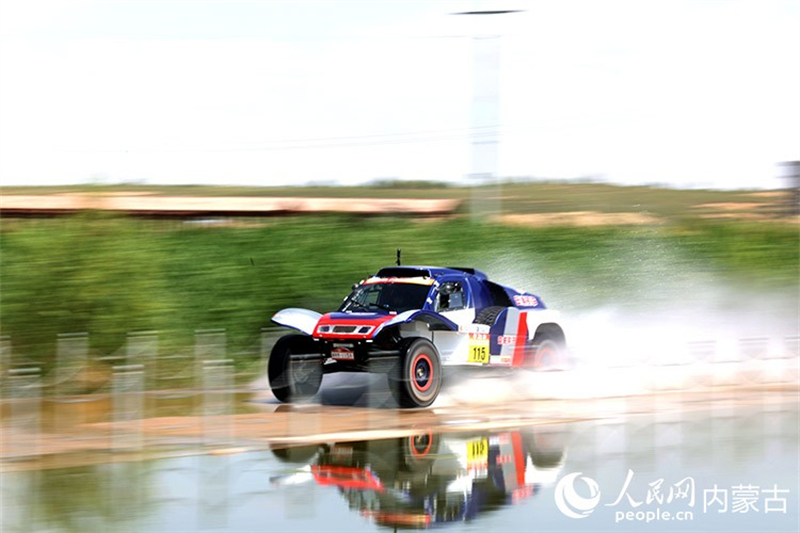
(573, 504)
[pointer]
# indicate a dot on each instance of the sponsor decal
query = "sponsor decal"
(478, 348)
(507, 340)
(410, 281)
(525, 300)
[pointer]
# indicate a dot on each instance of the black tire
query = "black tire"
(546, 450)
(296, 454)
(417, 379)
(488, 315)
(290, 380)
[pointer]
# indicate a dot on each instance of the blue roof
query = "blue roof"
(427, 271)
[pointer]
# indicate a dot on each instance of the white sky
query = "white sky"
(689, 93)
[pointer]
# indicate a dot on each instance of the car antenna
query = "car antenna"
(398, 256)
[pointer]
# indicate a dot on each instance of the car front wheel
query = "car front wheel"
(294, 373)
(418, 377)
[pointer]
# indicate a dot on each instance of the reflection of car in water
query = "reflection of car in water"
(432, 479)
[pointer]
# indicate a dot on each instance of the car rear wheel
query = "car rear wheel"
(290, 378)
(418, 376)
(546, 352)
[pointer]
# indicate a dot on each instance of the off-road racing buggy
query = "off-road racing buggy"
(407, 322)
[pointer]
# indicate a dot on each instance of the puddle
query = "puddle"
(659, 471)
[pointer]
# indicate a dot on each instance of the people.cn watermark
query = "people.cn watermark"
(577, 496)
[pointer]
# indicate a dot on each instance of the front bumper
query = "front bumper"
(350, 355)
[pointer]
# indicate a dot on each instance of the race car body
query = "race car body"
(407, 322)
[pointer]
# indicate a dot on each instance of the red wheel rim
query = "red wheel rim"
(422, 372)
(544, 355)
(413, 445)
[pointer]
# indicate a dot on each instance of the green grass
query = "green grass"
(109, 275)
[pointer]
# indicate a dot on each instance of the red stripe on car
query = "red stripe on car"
(521, 341)
(519, 458)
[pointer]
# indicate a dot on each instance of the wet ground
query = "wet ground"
(687, 450)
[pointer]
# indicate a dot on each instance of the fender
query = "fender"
(514, 327)
(537, 318)
(435, 320)
(303, 320)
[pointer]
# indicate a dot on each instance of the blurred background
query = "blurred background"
(174, 173)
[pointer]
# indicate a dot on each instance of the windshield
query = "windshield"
(396, 297)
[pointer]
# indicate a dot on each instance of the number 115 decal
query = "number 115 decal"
(478, 348)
